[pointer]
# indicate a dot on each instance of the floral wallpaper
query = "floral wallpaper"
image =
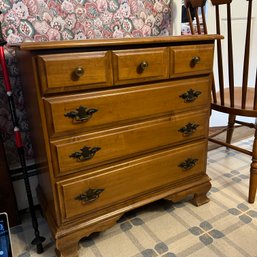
(43, 20)
(48, 20)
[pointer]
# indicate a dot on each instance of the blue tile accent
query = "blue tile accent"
(137, 222)
(242, 176)
(245, 215)
(161, 248)
(216, 234)
(228, 175)
(125, 226)
(245, 218)
(206, 235)
(236, 179)
(169, 255)
(252, 213)
(149, 253)
(206, 225)
(234, 172)
(214, 189)
(206, 239)
(236, 176)
(196, 231)
(228, 153)
(242, 207)
(234, 211)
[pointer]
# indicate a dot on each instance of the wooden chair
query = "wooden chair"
(236, 100)
(195, 5)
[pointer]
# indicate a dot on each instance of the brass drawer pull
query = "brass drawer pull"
(195, 60)
(142, 67)
(90, 195)
(79, 72)
(188, 164)
(190, 96)
(81, 114)
(188, 129)
(86, 153)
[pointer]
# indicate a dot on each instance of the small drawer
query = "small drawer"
(87, 194)
(132, 66)
(191, 60)
(85, 112)
(67, 72)
(85, 152)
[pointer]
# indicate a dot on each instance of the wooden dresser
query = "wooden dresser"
(116, 124)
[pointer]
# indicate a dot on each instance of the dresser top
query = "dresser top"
(30, 46)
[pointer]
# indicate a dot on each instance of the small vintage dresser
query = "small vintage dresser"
(116, 124)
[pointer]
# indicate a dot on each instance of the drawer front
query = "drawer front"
(123, 105)
(84, 152)
(85, 194)
(131, 66)
(62, 72)
(191, 60)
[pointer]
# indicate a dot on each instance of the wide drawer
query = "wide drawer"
(85, 152)
(71, 71)
(86, 194)
(93, 110)
(191, 60)
(139, 65)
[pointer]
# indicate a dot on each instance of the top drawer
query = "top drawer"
(66, 72)
(191, 60)
(137, 65)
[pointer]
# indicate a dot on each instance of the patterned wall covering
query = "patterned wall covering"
(48, 20)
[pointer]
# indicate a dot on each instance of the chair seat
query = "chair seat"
(236, 110)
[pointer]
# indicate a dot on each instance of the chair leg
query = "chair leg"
(253, 172)
(231, 123)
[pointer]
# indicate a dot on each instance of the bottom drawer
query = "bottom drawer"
(84, 194)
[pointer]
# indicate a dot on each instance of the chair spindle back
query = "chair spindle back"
(217, 3)
(196, 4)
